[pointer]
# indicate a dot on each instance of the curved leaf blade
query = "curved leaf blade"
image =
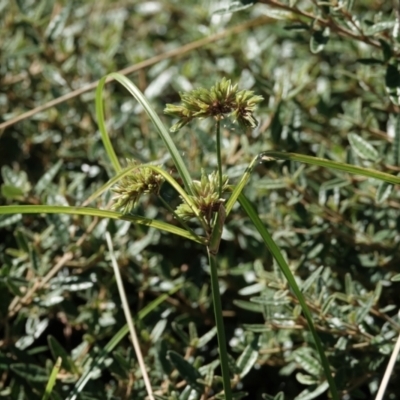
(94, 212)
(274, 249)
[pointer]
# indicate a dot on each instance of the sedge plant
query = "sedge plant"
(206, 200)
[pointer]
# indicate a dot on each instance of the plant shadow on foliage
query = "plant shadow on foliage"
(330, 80)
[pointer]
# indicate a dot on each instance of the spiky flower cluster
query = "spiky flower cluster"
(129, 189)
(222, 99)
(205, 196)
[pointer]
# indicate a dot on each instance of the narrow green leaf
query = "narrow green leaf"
(30, 372)
(396, 30)
(257, 328)
(362, 148)
(379, 27)
(246, 305)
(59, 352)
(186, 370)
(248, 358)
(181, 333)
(217, 230)
(13, 288)
(163, 132)
(240, 186)
(395, 278)
(304, 357)
(203, 340)
(162, 350)
(56, 25)
(233, 368)
(193, 335)
(274, 249)
(311, 279)
(52, 379)
(208, 371)
(277, 13)
(348, 285)
(230, 6)
(7, 221)
(362, 312)
(351, 169)
(42, 209)
(48, 177)
(335, 183)
(305, 379)
(158, 330)
(383, 192)
(270, 301)
(219, 321)
(189, 394)
(252, 289)
(310, 394)
(271, 184)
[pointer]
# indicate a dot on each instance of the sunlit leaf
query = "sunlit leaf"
(56, 25)
(248, 358)
(362, 148)
(383, 192)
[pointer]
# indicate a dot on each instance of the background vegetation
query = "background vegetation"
(328, 72)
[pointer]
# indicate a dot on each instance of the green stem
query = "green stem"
(223, 355)
(219, 159)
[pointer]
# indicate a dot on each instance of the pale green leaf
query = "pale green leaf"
(362, 148)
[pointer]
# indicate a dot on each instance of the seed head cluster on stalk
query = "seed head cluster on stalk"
(130, 188)
(205, 197)
(222, 99)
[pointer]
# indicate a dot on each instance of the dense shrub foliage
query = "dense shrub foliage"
(329, 75)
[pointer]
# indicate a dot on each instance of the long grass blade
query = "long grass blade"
(94, 212)
(274, 249)
(240, 186)
(105, 137)
(164, 134)
(351, 169)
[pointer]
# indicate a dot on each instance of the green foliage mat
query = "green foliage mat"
(316, 180)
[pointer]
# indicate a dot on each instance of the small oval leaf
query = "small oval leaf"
(362, 148)
(383, 192)
(248, 358)
(30, 372)
(187, 371)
